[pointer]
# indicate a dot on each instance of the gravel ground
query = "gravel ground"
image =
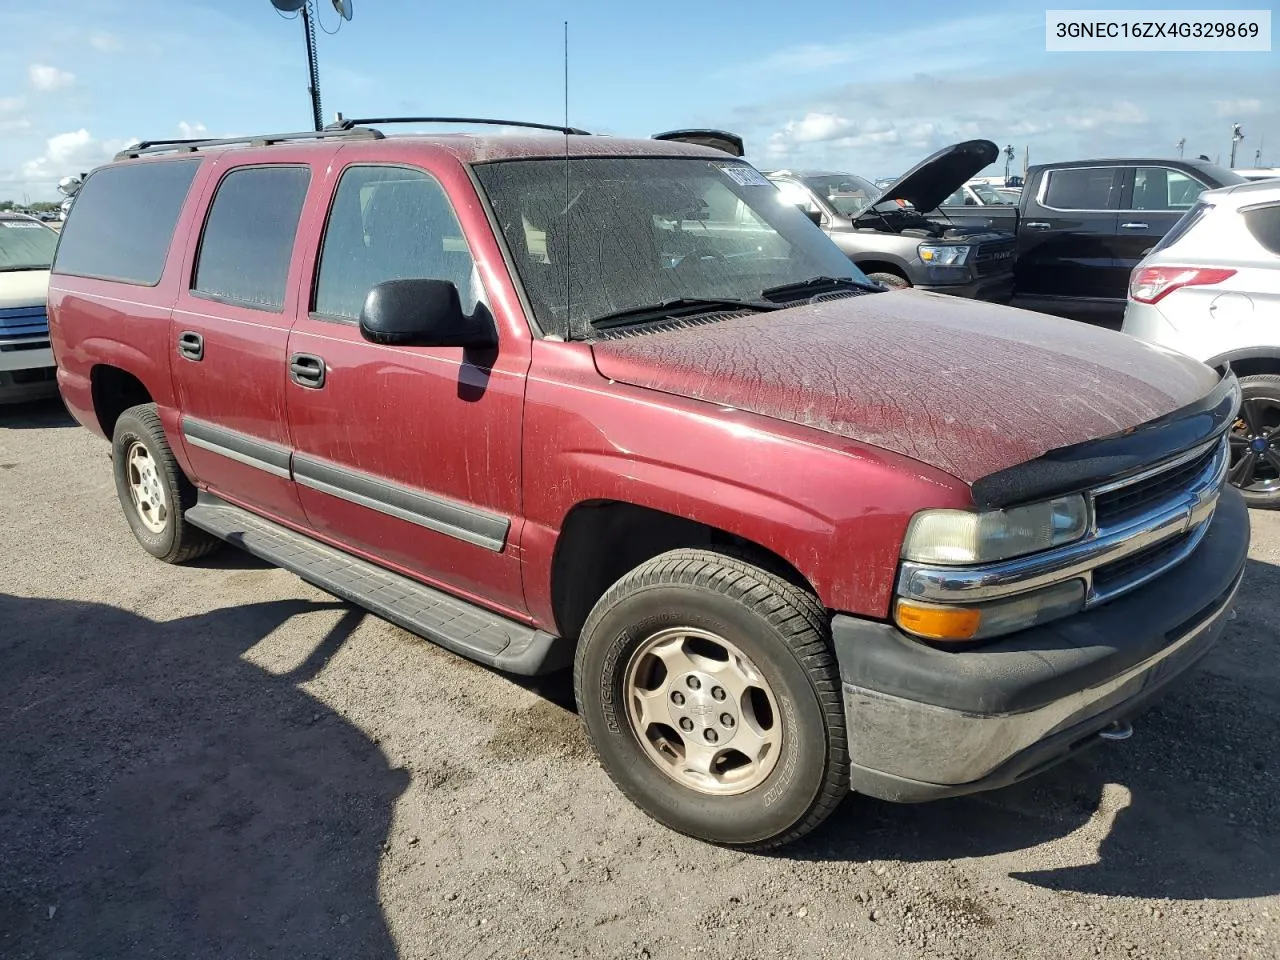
(220, 761)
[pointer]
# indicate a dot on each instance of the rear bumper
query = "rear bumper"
(926, 723)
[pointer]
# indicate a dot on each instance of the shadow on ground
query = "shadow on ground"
(161, 796)
(1196, 815)
(36, 415)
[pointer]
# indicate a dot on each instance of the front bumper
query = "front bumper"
(27, 371)
(997, 289)
(926, 723)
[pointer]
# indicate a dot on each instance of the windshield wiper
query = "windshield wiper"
(814, 284)
(678, 306)
(24, 266)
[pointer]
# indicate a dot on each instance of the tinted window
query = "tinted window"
(1159, 188)
(248, 237)
(389, 223)
(1264, 224)
(123, 219)
(1088, 188)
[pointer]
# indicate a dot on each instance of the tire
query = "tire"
(890, 280)
(1259, 482)
(141, 458)
(782, 632)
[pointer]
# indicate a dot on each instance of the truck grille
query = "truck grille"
(1123, 502)
(994, 256)
(22, 323)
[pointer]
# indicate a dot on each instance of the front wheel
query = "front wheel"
(1255, 442)
(711, 696)
(890, 280)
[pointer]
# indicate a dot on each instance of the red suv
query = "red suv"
(552, 399)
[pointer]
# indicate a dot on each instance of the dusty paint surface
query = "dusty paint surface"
(967, 387)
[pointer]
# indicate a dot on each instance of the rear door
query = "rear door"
(408, 455)
(229, 335)
(1153, 199)
(1067, 236)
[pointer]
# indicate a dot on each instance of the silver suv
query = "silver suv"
(1211, 289)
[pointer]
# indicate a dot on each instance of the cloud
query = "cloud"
(878, 127)
(1237, 108)
(106, 43)
(9, 126)
(69, 153)
(191, 131)
(48, 79)
(11, 104)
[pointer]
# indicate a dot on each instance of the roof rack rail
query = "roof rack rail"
(344, 123)
(258, 140)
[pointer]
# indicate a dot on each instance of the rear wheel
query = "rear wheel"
(1255, 442)
(711, 696)
(890, 280)
(153, 490)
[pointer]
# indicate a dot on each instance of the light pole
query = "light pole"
(1236, 136)
(303, 7)
(1182, 143)
(1009, 154)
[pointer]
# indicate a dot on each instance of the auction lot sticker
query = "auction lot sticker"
(1135, 31)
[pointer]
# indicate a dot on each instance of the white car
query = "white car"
(1211, 289)
(26, 361)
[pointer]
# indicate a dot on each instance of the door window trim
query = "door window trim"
(312, 313)
(204, 226)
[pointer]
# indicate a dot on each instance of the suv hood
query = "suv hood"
(935, 178)
(968, 387)
(23, 288)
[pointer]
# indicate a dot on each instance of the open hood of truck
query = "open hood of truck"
(968, 387)
(935, 178)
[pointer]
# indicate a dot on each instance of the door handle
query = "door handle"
(307, 370)
(1133, 226)
(191, 345)
(1037, 225)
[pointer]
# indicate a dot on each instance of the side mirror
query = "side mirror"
(69, 186)
(814, 215)
(423, 313)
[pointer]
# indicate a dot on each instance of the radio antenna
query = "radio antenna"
(568, 237)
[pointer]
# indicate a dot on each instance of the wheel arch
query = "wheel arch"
(1249, 362)
(602, 540)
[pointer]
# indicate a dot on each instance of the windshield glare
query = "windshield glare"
(606, 235)
(26, 245)
(846, 194)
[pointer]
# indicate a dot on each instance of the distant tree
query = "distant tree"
(7, 204)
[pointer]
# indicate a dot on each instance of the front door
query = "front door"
(229, 333)
(1066, 240)
(408, 455)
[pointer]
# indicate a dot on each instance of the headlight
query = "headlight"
(963, 537)
(946, 622)
(939, 255)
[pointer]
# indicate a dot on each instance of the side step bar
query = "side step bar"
(459, 626)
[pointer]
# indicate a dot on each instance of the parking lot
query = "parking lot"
(219, 761)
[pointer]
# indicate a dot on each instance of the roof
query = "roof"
(1126, 162)
(464, 147)
(1243, 194)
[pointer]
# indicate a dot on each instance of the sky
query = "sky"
(868, 88)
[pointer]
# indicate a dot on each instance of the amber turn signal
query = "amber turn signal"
(938, 622)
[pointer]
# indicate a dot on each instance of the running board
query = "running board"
(459, 626)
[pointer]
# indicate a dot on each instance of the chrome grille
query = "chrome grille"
(1119, 502)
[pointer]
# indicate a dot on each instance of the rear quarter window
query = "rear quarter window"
(1264, 224)
(122, 222)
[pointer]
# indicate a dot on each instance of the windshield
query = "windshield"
(591, 237)
(26, 245)
(847, 195)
